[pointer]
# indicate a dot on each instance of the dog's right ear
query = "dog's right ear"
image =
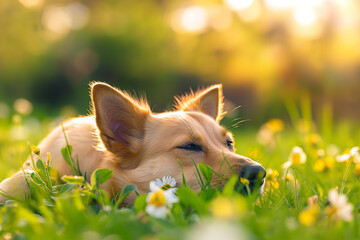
(119, 118)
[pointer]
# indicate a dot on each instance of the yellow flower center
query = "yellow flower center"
(296, 159)
(166, 186)
(158, 198)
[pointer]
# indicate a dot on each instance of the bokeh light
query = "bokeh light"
(280, 4)
(194, 19)
(251, 13)
(260, 48)
(56, 20)
(32, 3)
(238, 4)
(305, 16)
(61, 19)
(23, 106)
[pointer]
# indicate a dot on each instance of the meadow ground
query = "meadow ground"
(312, 190)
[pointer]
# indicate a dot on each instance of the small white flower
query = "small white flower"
(166, 183)
(161, 198)
(296, 157)
(339, 207)
(352, 153)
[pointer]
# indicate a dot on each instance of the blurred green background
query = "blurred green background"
(265, 52)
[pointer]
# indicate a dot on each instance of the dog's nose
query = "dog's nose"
(256, 176)
(253, 172)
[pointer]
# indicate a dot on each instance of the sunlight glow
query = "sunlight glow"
(251, 13)
(305, 16)
(220, 18)
(280, 4)
(238, 4)
(194, 19)
(60, 20)
(31, 3)
(56, 20)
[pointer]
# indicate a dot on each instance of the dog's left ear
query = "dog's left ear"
(208, 101)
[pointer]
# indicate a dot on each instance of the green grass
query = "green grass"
(74, 209)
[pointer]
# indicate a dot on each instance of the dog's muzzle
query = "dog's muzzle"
(255, 174)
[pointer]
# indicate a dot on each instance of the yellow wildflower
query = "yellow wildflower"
(357, 170)
(324, 164)
(226, 208)
(275, 125)
(296, 157)
(313, 139)
(35, 150)
(48, 160)
(309, 215)
(244, 181)
(271, 178)
(266, 134)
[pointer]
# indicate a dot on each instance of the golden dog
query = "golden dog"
(139, 146)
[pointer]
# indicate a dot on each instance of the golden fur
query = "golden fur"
(124, 135)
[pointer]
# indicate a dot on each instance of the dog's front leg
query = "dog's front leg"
(15, 187)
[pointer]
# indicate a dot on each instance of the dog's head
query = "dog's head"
(143, 146)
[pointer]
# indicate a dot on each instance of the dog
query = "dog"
(124, 135)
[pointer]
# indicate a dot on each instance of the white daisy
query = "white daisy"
(352, 153)
(159, 200)
(339, 207)
(166, 183)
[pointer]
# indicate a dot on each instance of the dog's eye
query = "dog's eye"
(191, 147)
(229, 144)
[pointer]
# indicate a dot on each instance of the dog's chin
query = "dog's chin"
(262, 187)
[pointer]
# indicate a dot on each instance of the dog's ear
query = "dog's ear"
(208, 101)
(119, 118)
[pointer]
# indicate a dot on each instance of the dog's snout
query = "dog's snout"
(253, 172)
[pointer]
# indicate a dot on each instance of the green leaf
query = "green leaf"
(208, 194)
(74, 179)
(64, 188)
(40, 166)
(182, 173)
(140, 203)
(229, 187)
(198, 176)
(99, 176)
(124, 193)
(191, 199)
(66, 153)
(207, 172)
